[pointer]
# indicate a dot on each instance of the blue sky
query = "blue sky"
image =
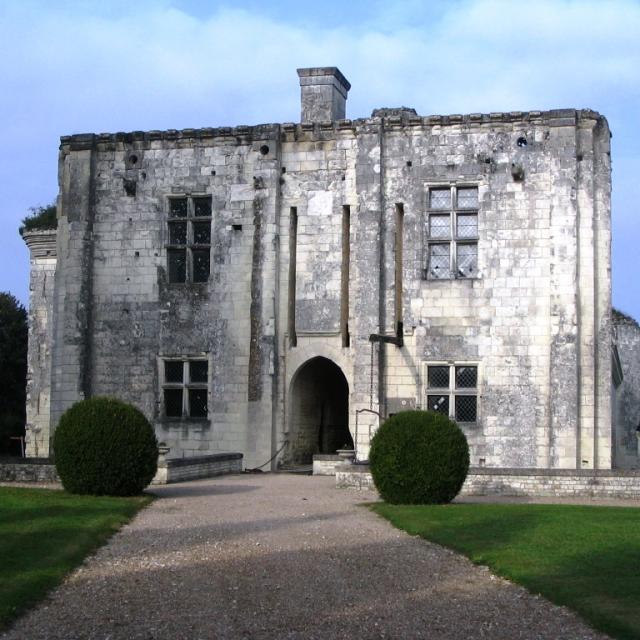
(72, 66)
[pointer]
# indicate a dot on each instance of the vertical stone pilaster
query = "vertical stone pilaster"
(366, 273)
(263, 371)
(564, 419)
(42, 248)
(602, 284)
(71, 351)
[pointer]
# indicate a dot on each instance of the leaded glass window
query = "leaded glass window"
(452, 389)
(467, 260)
(467, 225)
(439, 261)
(438, 377)
(438, 403)
(467, 197)
(452, 232)
(440, 199)
(439, 226)
(189, 239)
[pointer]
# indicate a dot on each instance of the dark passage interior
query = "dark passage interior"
(319, 411)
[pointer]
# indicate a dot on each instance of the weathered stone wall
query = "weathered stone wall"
(194, 467)
(535, 318)
(134, 317)
(42, 249)
(627, 415)
(553, 483)
(537, 351)
(40, 470)
(325, 465)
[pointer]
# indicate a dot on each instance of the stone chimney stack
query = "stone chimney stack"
(323, 94)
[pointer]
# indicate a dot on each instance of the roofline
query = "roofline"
(552, 118)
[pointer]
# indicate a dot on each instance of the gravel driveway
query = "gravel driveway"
(282, 556)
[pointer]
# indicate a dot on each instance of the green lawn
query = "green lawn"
(587, 558)
(44, 534)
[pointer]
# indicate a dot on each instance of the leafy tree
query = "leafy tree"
(621, 317)
(40, 218)
(13, 371)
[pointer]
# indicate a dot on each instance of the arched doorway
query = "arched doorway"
(319, 411)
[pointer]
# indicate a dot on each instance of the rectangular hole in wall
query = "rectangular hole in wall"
(344, 274)
(293, 240)
(399, 248)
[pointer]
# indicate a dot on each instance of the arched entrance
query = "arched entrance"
(319, 411)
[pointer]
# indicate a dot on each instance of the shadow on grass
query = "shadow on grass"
(350, 588)
(584, 557)
(45, 534)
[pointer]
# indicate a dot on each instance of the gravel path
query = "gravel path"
(282, 556)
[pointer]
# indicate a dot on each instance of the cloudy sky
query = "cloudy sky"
(73, 66)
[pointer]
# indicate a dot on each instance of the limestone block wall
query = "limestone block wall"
(42, 249)
(535, 318)
(195, 467)
(551, 483)
(319, 239)
(32, 470)
(627, 414)
(133, 317)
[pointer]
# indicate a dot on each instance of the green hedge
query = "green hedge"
(105, 447)
(419, 457)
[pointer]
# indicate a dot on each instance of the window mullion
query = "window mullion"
(185, 389)
(452, 235)
(452, 391)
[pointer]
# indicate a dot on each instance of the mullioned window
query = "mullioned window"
(452, 232)
(189, 239)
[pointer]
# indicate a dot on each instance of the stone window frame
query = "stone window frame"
(452, 239)
(452, 391)
(190, 247)
(185, 385)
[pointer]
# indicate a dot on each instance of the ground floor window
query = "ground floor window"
(452, 389)
(184, 387)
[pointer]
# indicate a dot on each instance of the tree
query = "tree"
(13, 372)
(40, 218)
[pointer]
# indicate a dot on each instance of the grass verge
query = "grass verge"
(44, 534)
(584, 557)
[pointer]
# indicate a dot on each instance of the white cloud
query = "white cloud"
(483, 55)
(67, 67)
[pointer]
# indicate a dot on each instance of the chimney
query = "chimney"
(323, 94)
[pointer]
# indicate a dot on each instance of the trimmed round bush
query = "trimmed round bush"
(419, 457)
(103, 446)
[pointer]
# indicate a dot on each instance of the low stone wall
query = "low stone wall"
(192, 468)
(27, 470)
(171, 470)
(555, 483)
(325, 464)
(354, 476)
(603, 483)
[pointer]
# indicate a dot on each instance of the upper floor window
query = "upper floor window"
(452, 389)
(189, 235)
(452, 232)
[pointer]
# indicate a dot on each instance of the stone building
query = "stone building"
(273, 289)
(626, 422)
